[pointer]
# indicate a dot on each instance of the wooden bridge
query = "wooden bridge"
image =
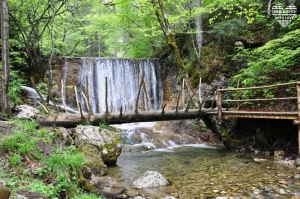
(221, 111)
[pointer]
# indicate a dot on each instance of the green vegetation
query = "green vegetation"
(125, 28)
(52, 175)
(274, 63)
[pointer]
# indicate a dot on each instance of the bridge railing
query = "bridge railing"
(219, 100)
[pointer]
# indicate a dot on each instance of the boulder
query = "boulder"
(150, 179)
(94, 164)
(108, 143)
(108, 187)
(62, 137)
(26, 112)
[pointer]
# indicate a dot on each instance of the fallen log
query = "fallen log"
(72, 120)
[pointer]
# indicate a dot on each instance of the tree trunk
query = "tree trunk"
(199, 29)
(165, 26)
(99, 44)
(5, 108)
(71, 120)
(269, 9)
(50, 78)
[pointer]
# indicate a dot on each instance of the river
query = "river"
(201, 171)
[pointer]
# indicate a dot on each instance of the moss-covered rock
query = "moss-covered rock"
(94, 164)
(62, 137)
(108, 143)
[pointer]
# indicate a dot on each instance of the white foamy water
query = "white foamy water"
(173, 146)
(135, 125)
(123, 77)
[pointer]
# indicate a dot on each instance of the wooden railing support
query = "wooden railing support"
(298, 103)
(219, 106)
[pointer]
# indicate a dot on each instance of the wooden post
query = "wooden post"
(213, 100)
(238, 104)
(187, 106)
(182, 90)
(147, 93)
(86, 101)
(80, 110)
(138, 96)
(88, 95)
(178, 99)
(51, 96)
(41, 97)
(219, 106)
(63, 96)
(106, 94)
(76, 97)
(207, 95)
(200, 91)
(298, 102)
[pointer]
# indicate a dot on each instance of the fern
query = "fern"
(275, 62)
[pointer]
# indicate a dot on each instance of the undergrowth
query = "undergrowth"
(27, 168)
(274, 63)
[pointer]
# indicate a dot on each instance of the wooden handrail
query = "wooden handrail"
(220, 101)
(267, 99)
(257, 87)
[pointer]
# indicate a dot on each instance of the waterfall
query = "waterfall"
(123, 83)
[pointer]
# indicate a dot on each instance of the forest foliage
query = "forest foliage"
(39, 29)
(129, 28)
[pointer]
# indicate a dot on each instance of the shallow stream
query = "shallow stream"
(204, 172)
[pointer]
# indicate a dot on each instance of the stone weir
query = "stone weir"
(123, 77)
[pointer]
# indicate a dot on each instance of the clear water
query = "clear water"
(208, 172)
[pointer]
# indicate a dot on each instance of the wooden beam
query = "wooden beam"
(253, 100)
(72, 120)
(292, 113)
(261, 115)
(282, 117)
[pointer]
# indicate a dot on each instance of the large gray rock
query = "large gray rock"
(62, 137)
(107, 142)
(26, 112)
(150, 179)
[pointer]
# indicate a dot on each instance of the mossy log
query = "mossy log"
(72, 120)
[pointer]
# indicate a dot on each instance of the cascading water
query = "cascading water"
(123, 83)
